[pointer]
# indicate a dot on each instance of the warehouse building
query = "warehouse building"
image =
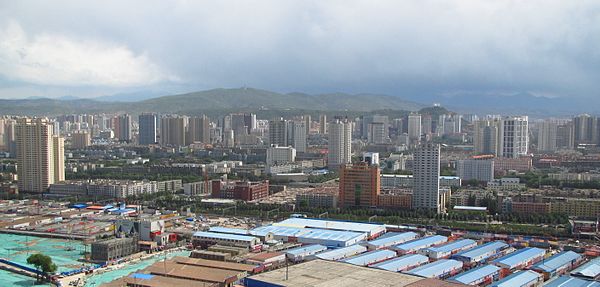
(590, 270)
(205, 239)
(440, 269)
(448, 249)
(568, 281)
(417, 244)
(479, 276)
(521, 258)
(557, 264)
(371, 257)
(342, 253)
(305, 252)
(481, 253)
(329, 238)
(391, 239)
(403, 263)
(372, 230)
(526, 278)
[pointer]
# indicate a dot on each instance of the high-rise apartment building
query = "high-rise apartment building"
(199, 130)
(147, 129)
(547, 136)
(81, 140)
(299, 136)
(414, 127)
(40, 155)
(485, 136)
(122, 127)
(426, 188)
(377, 133)
(477, 169)
(323, 124)
(307, 123)
(277, 155)
(585, 129)
(340, 144)
(513, 138)
(565, 136)
(278, 132)
(369, 119)
(173, 130)
(360, 185)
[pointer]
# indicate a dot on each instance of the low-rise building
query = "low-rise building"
(112, 249)
(242, 190)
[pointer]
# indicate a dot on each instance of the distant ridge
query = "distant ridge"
(216, 99)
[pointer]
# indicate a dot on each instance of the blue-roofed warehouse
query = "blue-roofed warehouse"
(482, 252)
(330, 238)
(391, 239)
(417, 244)
(521, 258)
(589, 270)
(204, 238)
(372, 230)
(568, 281)
(342, 253)
(371, 257)
(304, 252)
(440, 269)
(525, 278)
(402, 263)
(482, 275)
(557, 264)
(446, 250)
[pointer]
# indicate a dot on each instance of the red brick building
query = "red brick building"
(359, 185)
(242, 190)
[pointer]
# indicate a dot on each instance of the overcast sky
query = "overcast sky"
(92, 48)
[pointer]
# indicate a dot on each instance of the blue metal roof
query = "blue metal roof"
(568, 281)
(402, 262)
(228, 230)
(588, 270)
(422, 242)
(342, 252)
(224, 236)
(312, 248)
(141, 276)
(519, 256)
(370, 228)
(556, 261)
(520, 278)
(476, 274)
(370, 257)
(483, 249)
(312, 233)
(393, 238)
(436, 269)
(451, 246)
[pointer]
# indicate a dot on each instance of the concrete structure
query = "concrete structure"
(122, 127)
(547, 136)
(40, 155)
(359, 185)
(480, 170)
(147, 124)
(279, 155)
(317, 199)
(323, 124)
(81, 140)
(414, 127)
(198, 130)
(173, 130)
(242, 190)
(426, 191)
(197, 188)
(340, 144)
(299, 135)
(485, 137)
(402, 263)
(112, 249)
(439, 269)
(278, 132)
(513, 138)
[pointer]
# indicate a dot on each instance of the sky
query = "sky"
(407, 48)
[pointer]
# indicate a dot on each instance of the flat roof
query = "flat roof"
(436, 268)
(568, 281)
(229, 230)
(184, 271)
(473, 208)
(482, 249)
(590, 269)
(393, 238)
(370, 257)
(520, 256)
(451, 246)
(556, 261)
(306, 248)
(369, 228)
(157, 281)
(342, 252)
(422, 242)
(519, 278)
(322, 273)
(314, 233)
(402, 262)
(224, 236)
(214, 264)
(475, 274)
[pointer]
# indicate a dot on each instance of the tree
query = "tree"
(43, 262)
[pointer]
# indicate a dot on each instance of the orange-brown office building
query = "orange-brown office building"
(359, 185)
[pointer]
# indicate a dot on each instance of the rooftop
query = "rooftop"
(475, 274)
(519, 256)
(482, 249)
(306, 232)
(436, 268)
(370, 257)
(321, 273)
(369, 228)
(335, 253)
(393, 238)
(306, 248)
(449, 247)
(556, 261)
(401, 262)
(214, 264)
(229, 230)
(224, 236)
(568, 281)
(589, 270)
(422, 242)
(198, 273)
(519, 278)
